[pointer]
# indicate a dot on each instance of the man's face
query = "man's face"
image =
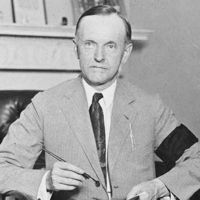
(101, 49)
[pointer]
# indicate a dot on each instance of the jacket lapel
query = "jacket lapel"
(75, 109)
(123, 113)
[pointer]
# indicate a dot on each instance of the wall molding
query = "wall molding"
(56, 31)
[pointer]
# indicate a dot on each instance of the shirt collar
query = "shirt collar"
(108, 93)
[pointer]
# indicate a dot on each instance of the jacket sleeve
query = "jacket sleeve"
(19, 151)
(179, 149)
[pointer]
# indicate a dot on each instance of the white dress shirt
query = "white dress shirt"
(106, 103)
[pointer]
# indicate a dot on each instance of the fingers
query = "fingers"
(64, 184)
(149, 190)
(143, 196)
(146, 191)
(140, 196)
(68, 166)
(64, 176)
(67, 170)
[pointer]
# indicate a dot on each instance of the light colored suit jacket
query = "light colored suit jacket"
(59, 119)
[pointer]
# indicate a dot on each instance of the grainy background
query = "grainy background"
(169, 62)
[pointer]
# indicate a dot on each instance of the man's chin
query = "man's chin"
(96, 83)
(100, 85)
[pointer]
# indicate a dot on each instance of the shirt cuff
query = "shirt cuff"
(171, 197)
(163, 191)
(43, 194)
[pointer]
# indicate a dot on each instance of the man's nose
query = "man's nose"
(99, 54)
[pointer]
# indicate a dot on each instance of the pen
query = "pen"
(85, 175)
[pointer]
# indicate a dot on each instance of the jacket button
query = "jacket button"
(116, 186)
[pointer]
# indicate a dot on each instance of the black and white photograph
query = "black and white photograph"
(99, 100)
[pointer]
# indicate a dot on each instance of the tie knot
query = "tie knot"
(97, 97)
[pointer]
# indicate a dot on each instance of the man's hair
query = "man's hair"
(106, 10)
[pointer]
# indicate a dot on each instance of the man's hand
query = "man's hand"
(64, 176)
(150, 190)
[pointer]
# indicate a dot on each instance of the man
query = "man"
(105, 130)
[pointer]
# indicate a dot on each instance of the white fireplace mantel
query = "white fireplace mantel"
(55, 31)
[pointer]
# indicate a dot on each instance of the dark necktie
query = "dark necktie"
(97, 119)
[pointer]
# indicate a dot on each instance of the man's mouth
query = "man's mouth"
(98, 67)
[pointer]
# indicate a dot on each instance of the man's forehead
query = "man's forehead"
(102, 23)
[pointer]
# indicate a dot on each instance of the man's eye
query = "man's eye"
(89, 44)
(111, 46)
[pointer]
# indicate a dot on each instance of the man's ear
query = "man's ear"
(127, 52)
(76, 48)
